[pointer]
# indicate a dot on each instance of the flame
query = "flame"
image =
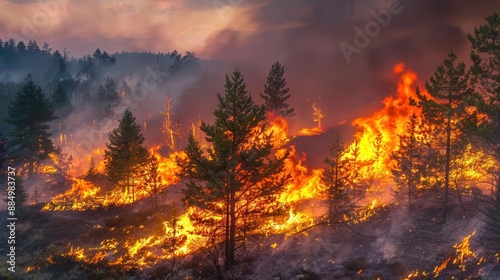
(387, 124)
(84, 195)
(441, 267)
(304, 185)
(464, 252)
(383, 126)
(80, 197)
(278, 127)
(295, 222)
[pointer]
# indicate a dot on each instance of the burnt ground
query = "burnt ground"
(392, 244)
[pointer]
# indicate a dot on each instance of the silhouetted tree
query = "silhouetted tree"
(61, 180)
(485, 55)
(60, 97)
(125, 156)
(153, 180)
(29, 114)
(406, 171)
(108, 96)
(276, 92)
(339, 181)
(237, 172)
(449, 87)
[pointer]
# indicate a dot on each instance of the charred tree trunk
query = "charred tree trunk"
(232, 231)
(226, 241)
(448, 158)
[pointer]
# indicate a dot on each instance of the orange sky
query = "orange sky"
(149, 25)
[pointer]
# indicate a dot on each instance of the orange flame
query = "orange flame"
(386, 124)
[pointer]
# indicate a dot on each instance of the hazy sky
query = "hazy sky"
(138, 25)
(205, 25)
(304, 35)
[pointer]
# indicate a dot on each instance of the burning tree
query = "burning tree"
(153, 180)
(318, 115)
(125, 156)
(92, 172)
(172, 131)
(29, 113)
(486, 58)
(108, 96)
(236, 178)
(406, 170)
(339, 180)
(449, 88)
(276, 93)
(60, 178)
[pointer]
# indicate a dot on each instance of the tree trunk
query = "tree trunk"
(232, 236)
(410, 179)
(226, 241)
(448, 158)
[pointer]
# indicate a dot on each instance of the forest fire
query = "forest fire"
(371, 149)
(462, 258)
(162, 192)
(85, 195)
(377, 135)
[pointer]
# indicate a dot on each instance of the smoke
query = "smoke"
(305, 37)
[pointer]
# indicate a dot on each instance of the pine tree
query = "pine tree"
(378, 147)
(406, 170)
(61, 179)
(339, 181)
(92, 172)
(60, 97)
(153, 180)
(35, 196)
(449, 87)
(108, 96)
(238, 170)
(29, 114)
(125, 156)
(486, 67)
(276, 93)
(173, 240)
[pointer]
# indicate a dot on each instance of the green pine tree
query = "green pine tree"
(450, 88)
(406, 170)
(125, 156)
(339, 181)
(486, 67)
(61, 180)
(237, 176)
(35, 196)
(29, 114)
(60, 97)
(153, 180)
(92, 172)
(276, 93)
(108, 96)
